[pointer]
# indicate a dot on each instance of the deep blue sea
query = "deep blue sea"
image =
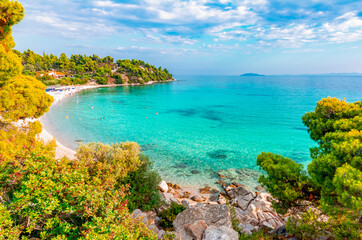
(200, 125)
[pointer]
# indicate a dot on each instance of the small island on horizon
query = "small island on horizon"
(251, 75)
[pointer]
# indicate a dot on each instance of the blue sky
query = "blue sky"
(202, 36)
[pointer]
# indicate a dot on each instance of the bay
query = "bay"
(200, 125)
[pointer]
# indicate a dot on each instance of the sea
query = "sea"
(200, 128)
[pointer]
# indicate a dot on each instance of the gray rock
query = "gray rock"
(218, 215)
(254, 209)
(186, 203)
(196, 229)
(198, 198)
(246, 231)
(199, 205)
(220, 233)
(168, 197)
(160, 234)
(139, 216)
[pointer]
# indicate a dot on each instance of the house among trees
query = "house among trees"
(54, 74)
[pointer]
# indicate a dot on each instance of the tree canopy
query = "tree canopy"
(42, 197)
(334, 181)
(81, 68)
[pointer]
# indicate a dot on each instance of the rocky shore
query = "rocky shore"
(210, 212)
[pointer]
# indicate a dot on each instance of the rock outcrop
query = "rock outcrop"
(206, 211)
(150, 219)
(193, 223)
(253, 210)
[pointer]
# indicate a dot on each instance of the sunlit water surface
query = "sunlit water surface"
(201, 125)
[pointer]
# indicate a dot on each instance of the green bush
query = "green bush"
(334, 181)
(285, 179)
(143, 185)
(168, 215)
(101, 80)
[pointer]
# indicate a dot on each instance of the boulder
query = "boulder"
(196, 229)
(199, 204)
(218, 215)
(221, 200)
(213, 198)
(146, 218)
(139, 216)
(198, 198)
(186, 203)
(168, 198)
(186, 194)
(205, 190)
(162, 186)
(253, 210)
(240, 196)
(192, 223)
(220, 233)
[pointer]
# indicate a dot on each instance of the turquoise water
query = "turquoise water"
(200, 125)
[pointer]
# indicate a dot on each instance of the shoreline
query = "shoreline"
(62, 150)
(72, 89)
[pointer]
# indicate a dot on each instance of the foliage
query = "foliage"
(168, 215)
(101, 80)
(116, 159)
(259, 235)
(42, 197)
(97, 68)
(20, 96)
(333, 187)
(50, 197)
(169, 236)
(285, 179)
(143, 183)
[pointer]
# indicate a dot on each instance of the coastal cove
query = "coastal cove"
(200, 126)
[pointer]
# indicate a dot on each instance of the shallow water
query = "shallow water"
(199, 125)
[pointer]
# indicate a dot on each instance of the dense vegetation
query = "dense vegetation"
(47, 198)
(330, 194)
(79, 69)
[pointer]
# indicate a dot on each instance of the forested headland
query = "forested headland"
(80, 69)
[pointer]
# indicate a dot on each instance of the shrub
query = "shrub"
(101, 80)
(335, 174)
(143, 185)
(168, 215)
(285, 179)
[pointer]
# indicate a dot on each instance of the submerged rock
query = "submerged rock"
(180, 165)
(218, 154)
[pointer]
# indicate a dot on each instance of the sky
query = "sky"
(202, 37)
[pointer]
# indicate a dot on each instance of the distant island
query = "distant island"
(251, 75)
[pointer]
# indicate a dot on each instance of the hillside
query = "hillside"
(81, 69)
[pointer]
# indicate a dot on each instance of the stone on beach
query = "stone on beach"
(198, 198)
(163, 186)
(168, 198)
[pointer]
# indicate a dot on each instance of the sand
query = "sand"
(60, 151)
